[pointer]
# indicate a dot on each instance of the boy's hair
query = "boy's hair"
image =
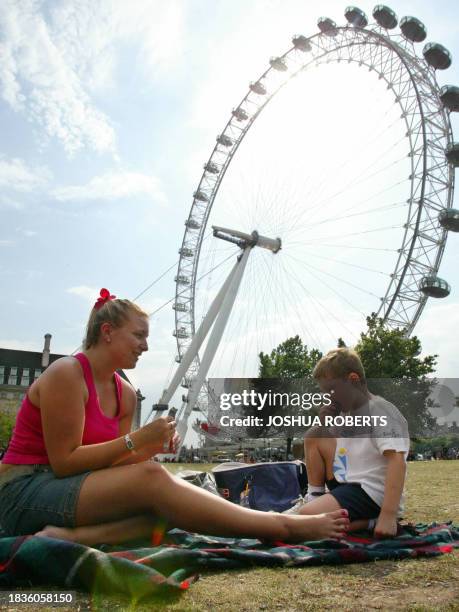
(116, 312)
(339, 363)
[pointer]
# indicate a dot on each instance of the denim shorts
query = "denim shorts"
(32, 497)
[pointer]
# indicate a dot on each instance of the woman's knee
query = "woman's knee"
(150, 475)
(119, 492)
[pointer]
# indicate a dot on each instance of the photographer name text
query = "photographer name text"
(340, 420)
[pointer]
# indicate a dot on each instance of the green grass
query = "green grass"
(414, 585)
(422, 584)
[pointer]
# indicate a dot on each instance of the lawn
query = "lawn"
(423, 584)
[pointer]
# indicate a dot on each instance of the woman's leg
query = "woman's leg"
(147, 488)
(142, 526)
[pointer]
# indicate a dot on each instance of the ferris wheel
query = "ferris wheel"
(342, 239)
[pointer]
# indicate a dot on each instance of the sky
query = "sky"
(108, 111)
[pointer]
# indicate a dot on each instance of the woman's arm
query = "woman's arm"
(62, 404)
(129, 404)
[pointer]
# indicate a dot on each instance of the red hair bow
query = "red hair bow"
(104, 298)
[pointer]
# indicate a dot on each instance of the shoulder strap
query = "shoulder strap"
(119, 393)
(87, 373)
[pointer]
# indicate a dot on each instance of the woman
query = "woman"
(73, 470)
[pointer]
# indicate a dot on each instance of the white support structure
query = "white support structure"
(216, 318)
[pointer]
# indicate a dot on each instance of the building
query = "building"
(18, 370)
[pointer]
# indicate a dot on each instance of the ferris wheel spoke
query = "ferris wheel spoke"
(352, 183)
(368, 211)
(361, 248)
(297, 298)
(350, 265)
(342, 235)
(322, 306)
(341, 280)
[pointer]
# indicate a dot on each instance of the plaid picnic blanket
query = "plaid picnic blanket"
(139, 572)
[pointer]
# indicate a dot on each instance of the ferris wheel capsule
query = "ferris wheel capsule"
(192, 224)
(201, 196)
(278, 63)
(240, 114)
(449, 95)
(434, 286)
(356, 17)
(413, 29)
(385, 17)
(437, 56)
(327, 26)
(212, 168)
(449, 219)
(301, 43)
(224, 140)
(452, 154)
(258, 88)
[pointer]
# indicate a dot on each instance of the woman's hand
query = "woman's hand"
(155, 437)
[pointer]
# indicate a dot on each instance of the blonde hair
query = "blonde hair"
(116, 312)
(339, 363)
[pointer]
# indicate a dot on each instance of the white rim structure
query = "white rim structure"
(411, 79)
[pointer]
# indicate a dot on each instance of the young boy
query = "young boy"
(363, 464)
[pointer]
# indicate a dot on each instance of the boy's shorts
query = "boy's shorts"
(353, 498)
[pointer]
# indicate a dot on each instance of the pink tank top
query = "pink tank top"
(27, 445)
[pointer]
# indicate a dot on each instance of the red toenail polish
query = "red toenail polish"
(344, 512)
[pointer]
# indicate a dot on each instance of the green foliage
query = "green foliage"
(389, 353)
(291, 359)
(424, 445)
(6, 428)
(395, 370)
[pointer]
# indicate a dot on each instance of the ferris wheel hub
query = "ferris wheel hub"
(244, 240)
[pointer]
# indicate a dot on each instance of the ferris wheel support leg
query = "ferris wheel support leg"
(198, 338)
(214, 341)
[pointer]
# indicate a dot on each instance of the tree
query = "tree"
(290, 360)
(6, 428)
(395, 370)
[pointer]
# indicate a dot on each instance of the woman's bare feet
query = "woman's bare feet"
(291, 528)
(316, 526)
(60, 533)
(115, 532)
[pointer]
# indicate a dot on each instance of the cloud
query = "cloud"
(435, 331)
(35, 79)
(20, 345)
(15, 174)
(91, 33)
(87, 293)
(8, 203)
(113, 185)
(6, 242)
(54, 61)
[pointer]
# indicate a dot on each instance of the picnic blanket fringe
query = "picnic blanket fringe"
(141, 572)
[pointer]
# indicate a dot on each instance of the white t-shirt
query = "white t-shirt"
(360, 458)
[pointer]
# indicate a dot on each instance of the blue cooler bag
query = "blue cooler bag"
(262, 486)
